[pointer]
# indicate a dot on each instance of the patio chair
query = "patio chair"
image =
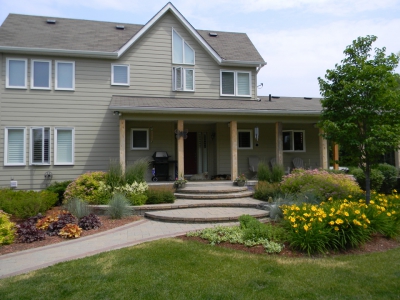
(273, 162)
(253, 163)
(298, 163)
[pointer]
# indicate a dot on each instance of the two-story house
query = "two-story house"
(76, 94)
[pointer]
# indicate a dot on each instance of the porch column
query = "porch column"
(234, 157)
(323, 151)
(181, 154)
(335, 156)
(122, 139)
(397, 158)
(279, 143)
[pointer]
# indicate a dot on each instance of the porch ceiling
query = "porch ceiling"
(282, 106)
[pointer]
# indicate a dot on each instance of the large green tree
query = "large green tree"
(361, 104)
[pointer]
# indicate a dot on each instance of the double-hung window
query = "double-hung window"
(235, 83)
(293, 140)
(119, 74)
(16, 73)
(39, 146)
(140, 139)
(245, 139)
(183, 79)
(64, 144)
(14, 146)
(182, 53)
(40, 74)
(65, 75)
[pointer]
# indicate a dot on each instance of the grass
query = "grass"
(173, 269)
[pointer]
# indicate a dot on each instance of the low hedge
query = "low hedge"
(24, 204)
(160, 194)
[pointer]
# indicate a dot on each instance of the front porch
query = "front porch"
(221, 149)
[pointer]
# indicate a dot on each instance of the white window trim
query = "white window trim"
(147, 138)
(251, 139)
(183, 50)
(31, 144)
(56, 163)
(292, 141)
(6, 147)
(56, 75)
(112, 74)
(235, 83)
(183, 89)
(32, 74)
(8, 73)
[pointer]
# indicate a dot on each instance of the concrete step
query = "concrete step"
(211, 189)
(206, 214)
(210, 196)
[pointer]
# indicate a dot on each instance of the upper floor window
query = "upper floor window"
(183, 79)
(40, 146)
(64, 144)
(14, 146)
(235, 83)
(245, 139)
(16, 73)
(40, 74)
(182, 53)
(293, 140)
(140, 139)
(119, 74)
(65, 75)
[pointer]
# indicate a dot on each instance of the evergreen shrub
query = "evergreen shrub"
(23, 204)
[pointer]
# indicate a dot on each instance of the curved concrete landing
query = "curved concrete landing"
(205, 214)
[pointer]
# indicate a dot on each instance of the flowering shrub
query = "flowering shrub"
(133, 192)
(7, 229)
(321, 183)
(87, 188)
(340, 224)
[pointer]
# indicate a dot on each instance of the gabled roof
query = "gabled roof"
(32, 34)
(277, 106)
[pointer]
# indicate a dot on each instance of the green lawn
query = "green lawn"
(173, 269)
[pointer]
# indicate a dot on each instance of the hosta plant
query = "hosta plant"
(70, 231)
(89, 222)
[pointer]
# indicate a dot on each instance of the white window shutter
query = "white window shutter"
(15, 146)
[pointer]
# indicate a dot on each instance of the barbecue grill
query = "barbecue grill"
(161, 165)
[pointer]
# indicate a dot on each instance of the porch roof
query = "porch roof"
(277, 106)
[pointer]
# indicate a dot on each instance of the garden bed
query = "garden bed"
(378, 243)
(106, 224)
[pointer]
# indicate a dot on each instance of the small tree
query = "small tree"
(361, 104)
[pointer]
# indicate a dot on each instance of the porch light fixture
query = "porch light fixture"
(117, 113)
(256, 133)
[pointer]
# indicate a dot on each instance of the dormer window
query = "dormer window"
(182, 53)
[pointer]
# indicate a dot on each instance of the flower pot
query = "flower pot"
(241, 183)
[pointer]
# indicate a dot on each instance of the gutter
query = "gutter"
(215, 111)
(47, 51)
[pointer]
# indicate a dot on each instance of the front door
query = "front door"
(190, 148)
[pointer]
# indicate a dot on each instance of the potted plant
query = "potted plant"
(180, 183)
(240, 180)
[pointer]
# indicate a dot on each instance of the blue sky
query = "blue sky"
(299, 39)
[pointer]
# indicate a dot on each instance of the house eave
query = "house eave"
(243, 63)
(63, 52)
(200, 111)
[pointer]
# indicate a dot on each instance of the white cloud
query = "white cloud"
(297, 57)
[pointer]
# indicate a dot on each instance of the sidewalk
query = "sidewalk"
(124, 236)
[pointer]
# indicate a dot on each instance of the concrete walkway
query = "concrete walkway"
(124, 236)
